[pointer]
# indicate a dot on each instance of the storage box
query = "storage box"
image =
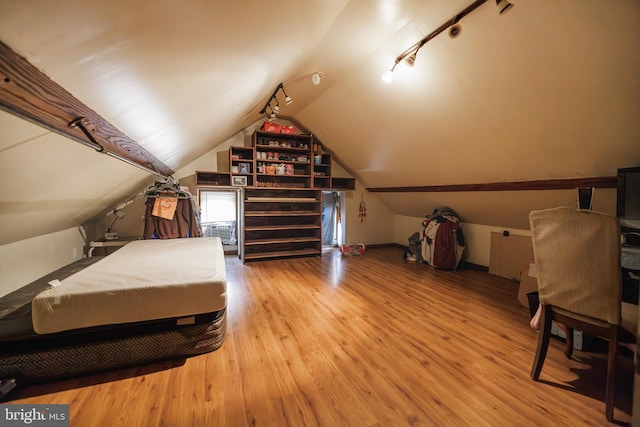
(287, 129)
(507, 252)
(270, 127)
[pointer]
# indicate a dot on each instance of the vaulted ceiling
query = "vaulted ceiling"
(549, 90)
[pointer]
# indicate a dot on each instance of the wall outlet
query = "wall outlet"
(74, 253)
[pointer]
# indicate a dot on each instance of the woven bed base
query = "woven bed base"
(88, 358)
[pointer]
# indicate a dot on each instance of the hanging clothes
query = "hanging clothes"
(442, 239)
(170, 213)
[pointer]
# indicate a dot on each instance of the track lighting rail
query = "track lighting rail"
(274, 97)
(503, 6)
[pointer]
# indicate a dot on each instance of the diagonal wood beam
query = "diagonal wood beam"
(27, 92)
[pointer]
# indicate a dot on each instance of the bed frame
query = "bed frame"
(29, 357)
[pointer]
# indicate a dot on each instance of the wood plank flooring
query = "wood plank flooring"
(371, 340)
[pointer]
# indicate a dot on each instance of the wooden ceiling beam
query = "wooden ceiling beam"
(27, 92)
(548, 184)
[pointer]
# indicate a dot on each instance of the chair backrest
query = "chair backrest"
(577, 256)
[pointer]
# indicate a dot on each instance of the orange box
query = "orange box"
(287, 129)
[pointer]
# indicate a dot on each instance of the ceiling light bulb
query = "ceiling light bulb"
(388, 77)
(287, 98)
(276, 109)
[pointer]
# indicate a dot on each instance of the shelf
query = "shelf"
(261, 137)
(213, 178)
(284, 240)
(262, 147)
(280, 213)
(281, 254)
(282, 199)
(281, 223)
(282, 227)
(281, 176)
(293, 162)
(343, 183)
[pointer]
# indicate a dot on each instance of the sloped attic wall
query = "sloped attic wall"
(547, 91)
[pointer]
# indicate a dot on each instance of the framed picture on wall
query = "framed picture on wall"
(239, 181)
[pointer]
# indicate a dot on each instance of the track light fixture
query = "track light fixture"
(409, 55)
(411, 59)
(287, 98)
(275, 109)
(270, 113)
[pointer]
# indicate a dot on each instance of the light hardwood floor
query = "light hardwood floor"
(373, 340)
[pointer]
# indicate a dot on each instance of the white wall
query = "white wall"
(24, 261)
(477, 237)
(377, 227)
(208, 162)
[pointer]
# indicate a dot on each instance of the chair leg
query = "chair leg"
(568, 351)
(543, 341)
(611, 373)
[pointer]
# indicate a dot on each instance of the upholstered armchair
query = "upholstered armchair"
(577, 256)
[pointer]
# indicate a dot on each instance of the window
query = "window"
(219, 214)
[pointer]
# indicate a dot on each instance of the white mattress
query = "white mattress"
(144, 280)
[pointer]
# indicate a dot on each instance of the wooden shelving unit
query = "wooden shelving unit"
(322, 170)
(343, 183)
(282, 197)
(281, 222)
(213, 178)
(242, 164)
(283, 160)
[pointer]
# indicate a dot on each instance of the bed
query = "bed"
(151, 300)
